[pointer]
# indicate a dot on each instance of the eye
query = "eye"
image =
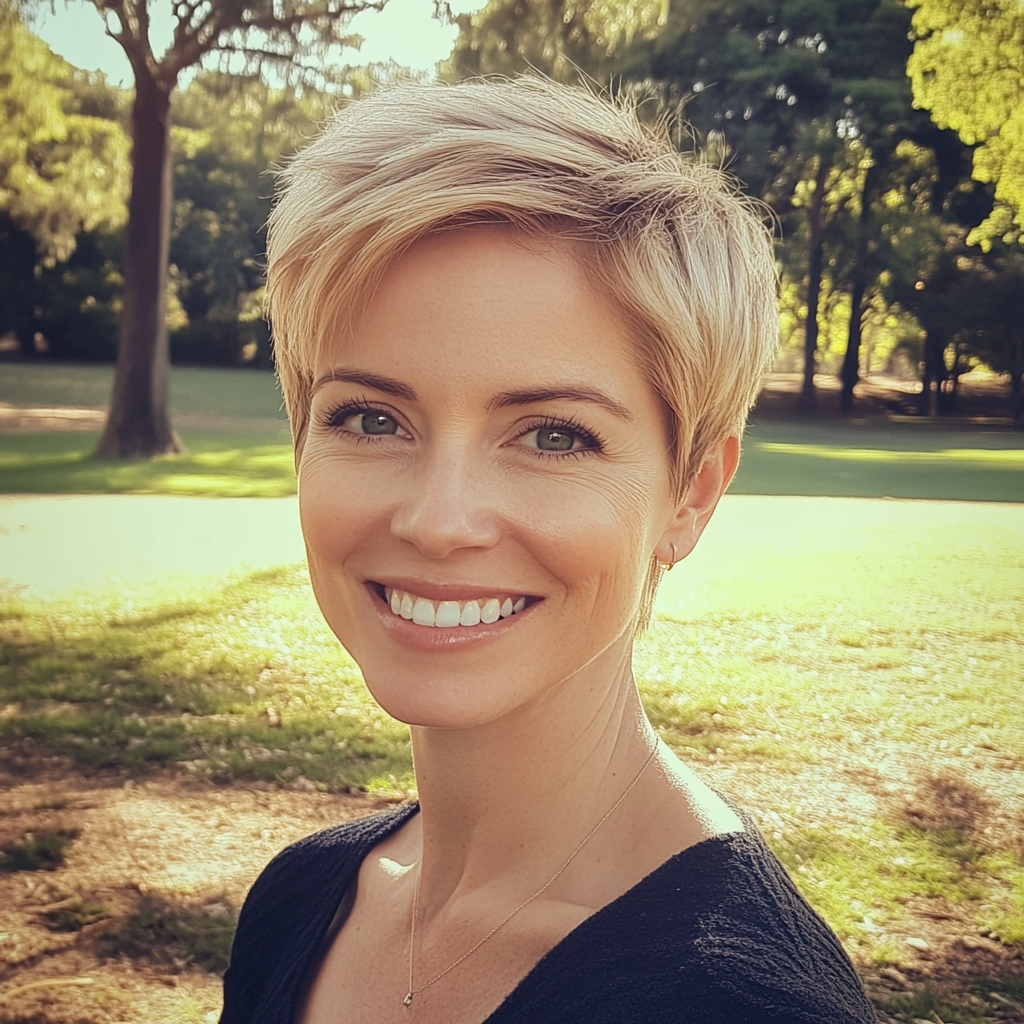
(560, 438)
(365, 421)
(371, 423)
(555, 439)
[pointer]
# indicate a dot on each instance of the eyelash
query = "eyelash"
(333, 418)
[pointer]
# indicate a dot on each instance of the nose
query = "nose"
(448, 505)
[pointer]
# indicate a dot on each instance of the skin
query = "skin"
(524, 739)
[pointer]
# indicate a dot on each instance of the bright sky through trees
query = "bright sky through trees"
(404, 31)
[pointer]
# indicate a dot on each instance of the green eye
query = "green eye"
(555, 439)
(378, 423)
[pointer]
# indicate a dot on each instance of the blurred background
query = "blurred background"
(844, 652)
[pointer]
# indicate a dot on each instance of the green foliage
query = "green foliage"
(967, 68)
(229, 131)
(63, 151)
(563, 39)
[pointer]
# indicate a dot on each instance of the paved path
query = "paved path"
(53, 545)
(154, 546)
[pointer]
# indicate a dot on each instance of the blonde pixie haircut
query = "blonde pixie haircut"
(685, 258)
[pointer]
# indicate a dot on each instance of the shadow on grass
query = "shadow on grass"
(168, 934)
(243, 682)
(37, 851)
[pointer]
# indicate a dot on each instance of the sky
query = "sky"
(404, 31)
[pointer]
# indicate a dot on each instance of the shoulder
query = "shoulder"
(761, 944)
(290, 906)
(303, 864)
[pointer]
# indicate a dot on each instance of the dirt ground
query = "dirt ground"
(178, 845)
(165, 841)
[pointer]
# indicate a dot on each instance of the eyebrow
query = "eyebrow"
(502, 400)
(567, 393)
(377, 381)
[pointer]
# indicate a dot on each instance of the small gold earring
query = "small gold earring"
(669, 566)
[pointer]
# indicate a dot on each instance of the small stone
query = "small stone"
(896, 976)
(273, 718)
(919, 944)
(303, 785)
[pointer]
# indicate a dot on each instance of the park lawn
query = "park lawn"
(848, 670)
(217, 391)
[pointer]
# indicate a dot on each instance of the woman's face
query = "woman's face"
(483, 481)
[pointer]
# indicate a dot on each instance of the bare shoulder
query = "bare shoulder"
(701, 813)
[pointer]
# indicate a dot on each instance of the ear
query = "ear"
(694, 511)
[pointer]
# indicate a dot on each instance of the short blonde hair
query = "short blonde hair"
(686, 258)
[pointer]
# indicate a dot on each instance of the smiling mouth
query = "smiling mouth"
(422, 611)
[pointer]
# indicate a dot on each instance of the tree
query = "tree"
(967, 68)
(229, 130)
(801, 98)
(63, 167)
(564, 39)
(286, 34)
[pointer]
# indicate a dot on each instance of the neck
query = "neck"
(515, 796)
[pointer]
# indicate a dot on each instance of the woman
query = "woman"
(518, 338)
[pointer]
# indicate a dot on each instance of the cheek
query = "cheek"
(594, 538)
(336, 519)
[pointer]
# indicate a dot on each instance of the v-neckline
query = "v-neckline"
(570, 938)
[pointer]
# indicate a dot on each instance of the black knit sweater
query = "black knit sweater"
(717, 935)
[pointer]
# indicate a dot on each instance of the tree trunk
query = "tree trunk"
(851, 360)
(927, 402)
(1017, 382)
(139, 422)
(814, 264)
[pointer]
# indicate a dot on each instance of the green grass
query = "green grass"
(37, 851)
(193, 681)
(223, 392)
(897, 460)
(804, 636)
(254, 465)
(168, 934)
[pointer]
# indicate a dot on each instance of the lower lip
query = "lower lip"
(427, 638)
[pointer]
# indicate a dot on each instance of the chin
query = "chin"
(421, 699)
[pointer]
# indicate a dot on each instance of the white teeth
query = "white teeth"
(447, 614)
(423, 612)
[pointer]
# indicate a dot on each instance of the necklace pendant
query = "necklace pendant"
(407, 1001)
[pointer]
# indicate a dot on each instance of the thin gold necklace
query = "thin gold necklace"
(413, 991)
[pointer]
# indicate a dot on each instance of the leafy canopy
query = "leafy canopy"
(968, 70)
(63, 152)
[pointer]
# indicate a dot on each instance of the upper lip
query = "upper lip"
(446, 591)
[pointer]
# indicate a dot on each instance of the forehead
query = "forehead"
(466, 313)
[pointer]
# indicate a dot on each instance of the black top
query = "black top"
(718, 933)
